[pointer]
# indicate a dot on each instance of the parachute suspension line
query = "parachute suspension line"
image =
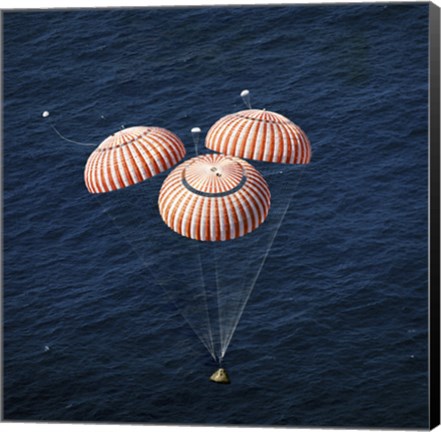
(46, 115)
(210, 342)
(219, 308)
(245, 95)
(256, 277)
(69, 140)
(272, 172)
(253, 283)
(196, 132)
(210, 333)
(155, 280)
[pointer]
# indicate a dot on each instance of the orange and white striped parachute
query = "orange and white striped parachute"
(214, 197)
(130, 156)
(260, 135)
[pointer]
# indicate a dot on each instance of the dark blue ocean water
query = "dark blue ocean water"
(335, 331)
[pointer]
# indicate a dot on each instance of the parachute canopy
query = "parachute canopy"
(130, 156)
(214, 198)
(260, 135)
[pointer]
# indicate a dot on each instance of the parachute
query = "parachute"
(260, 135)
(217, 219)
(130, 156)
(215, 198)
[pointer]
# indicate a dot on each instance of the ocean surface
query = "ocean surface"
(105, 309)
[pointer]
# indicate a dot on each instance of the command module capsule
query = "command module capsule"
(220, 376)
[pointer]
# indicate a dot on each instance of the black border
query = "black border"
(434, 221)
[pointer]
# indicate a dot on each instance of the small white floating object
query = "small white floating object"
(45, 114)
(46, 348)
(245, 95)
(195, 132)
